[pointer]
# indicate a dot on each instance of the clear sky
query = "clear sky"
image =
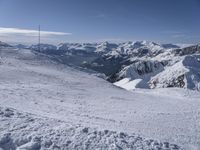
(166, 21)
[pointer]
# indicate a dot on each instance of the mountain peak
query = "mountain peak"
(3, 44)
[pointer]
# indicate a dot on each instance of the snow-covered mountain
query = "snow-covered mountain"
(171, 68)
(141, 71)
(105, 57)
(2, 44)
(106, 48)
(167, 46)
(143, 61)
(43, 47)
(21, 46)
(184, 74)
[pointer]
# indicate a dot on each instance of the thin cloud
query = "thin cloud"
(175, 34)
(114, 40)
(178, 35)
(27, 32)
(26, 36)
(100, 16)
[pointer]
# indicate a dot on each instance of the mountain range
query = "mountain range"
(130, 65)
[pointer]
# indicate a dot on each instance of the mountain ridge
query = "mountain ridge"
(143, 60)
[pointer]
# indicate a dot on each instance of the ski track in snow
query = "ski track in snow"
(32, 83)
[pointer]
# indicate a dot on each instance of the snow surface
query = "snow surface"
(29, 132)
(187, 67)
(128, 84)
(51, 106)
(171, 68)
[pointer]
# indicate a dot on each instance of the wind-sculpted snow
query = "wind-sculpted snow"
(23, 131)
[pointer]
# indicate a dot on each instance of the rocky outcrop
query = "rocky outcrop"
(188, 50)
(140, 68)
(183, 74)
(176, 82)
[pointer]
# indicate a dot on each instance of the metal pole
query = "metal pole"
(39, 38)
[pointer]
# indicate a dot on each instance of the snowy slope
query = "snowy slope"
(56, 96)
(29, 132)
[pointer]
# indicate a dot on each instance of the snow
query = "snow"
(86, 47)
(127, 84)
(188, 68)
(138, 74)
(29, 132)
(170, 68)
(43, 103)
(116, 49)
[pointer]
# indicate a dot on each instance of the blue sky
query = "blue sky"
(165, 21)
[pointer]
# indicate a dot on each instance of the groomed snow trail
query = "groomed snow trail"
(33, 83)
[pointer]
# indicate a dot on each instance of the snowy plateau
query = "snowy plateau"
(99, 96)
